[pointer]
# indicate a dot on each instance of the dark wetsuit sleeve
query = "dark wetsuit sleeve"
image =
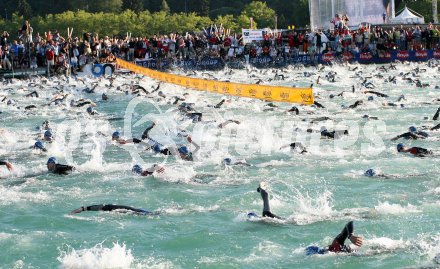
(294, 109)
(3, 162)
(345, 233)
(318, 104)
(93, 207)
(219, 104)
(63, 169)
(436, 114)
(436, 127)
(328, 134)
(165, 152)
(136, 141)
(129, 208)
(83, 104)
(408, 135)
(265, 197)
(145, 134)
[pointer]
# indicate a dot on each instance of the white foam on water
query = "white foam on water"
(12, 195)
(381, 245)
(100, 257)
(386, 208)
(311, 209)
(117, 256)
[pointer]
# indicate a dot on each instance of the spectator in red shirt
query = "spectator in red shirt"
(50, 56)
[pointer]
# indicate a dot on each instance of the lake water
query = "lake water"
(203, 205)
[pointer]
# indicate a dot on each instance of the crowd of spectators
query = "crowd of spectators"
(61, 54)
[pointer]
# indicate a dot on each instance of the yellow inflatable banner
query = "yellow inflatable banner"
(264, 92)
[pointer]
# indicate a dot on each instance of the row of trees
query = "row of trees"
(142, 23)
(289, 12)
(112, 24)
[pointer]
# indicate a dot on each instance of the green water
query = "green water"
(202, 204)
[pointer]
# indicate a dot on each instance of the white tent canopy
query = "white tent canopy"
(408, 17)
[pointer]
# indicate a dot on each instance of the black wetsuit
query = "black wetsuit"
(334, 134)
(436, 127)
(357, 103)
(32, 94)
(266, 206)
(219, 104)
(195, 116)
(298, 145)
(294, 109)
(3, 162)
(338, 242)
(377, 93)
(62, 169)
(318, 105)
(410, 135)
(145, 133)
(30, 107)
(436, 114)
(83, 103)
(104, 207)
(420, 151)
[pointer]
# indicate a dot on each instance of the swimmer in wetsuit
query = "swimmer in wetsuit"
(372, 173)
(181, 151)
(39, 146)
(265, 196)
(81, 103)
(116, 136)
(7, 164)
(91, 111)
(61, 169)
(189, 112)
(294, 109)
(326, 134)
(338, 244)
(48, 136)
(437, 113)
(416, 151)
(356, 104)
(104, 207)
(229, 162)
(296, 146)
(222, 125)
(412, 134)
(137, 169)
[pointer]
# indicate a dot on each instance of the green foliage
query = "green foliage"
(261, 13)
(227, 21)
(244, 22)
(141, 24)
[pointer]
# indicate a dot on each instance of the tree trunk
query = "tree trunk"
(434, 11)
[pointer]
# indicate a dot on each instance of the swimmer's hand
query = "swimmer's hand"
(9, 166)
(356, 240)
(159, 169)
(78, 210)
